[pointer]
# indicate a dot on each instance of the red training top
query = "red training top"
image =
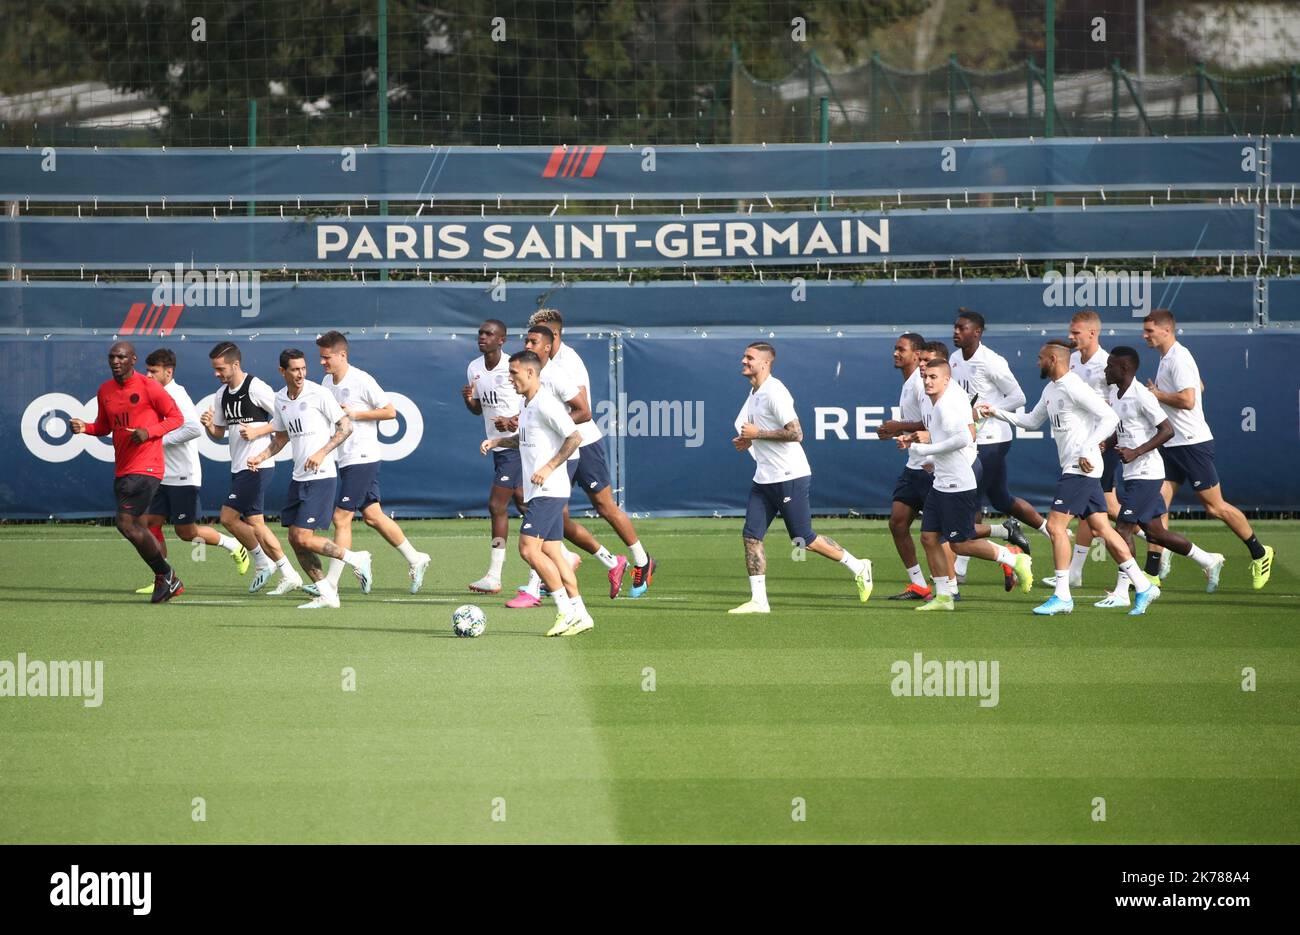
(139, 403)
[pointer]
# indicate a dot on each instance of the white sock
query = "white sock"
(1080, 556)
(1141, 533)
(1043, 529)
(639, 558)
(335, 571)
(352, 558)
(855, 565)
(326, 587)
(408, 551)
(1121, 584)
(1005, 556)
(498, 562)
(287, 570)
(942, 583)
(579, 608)
(1200, 556)
(962, 563)
(606, 559)
(1063, 584)
(229, 543)
(534, 585)
(1140, 582)
(998, 531)
(758, 589)
(260, 558)
(916, 576)
(562, 602)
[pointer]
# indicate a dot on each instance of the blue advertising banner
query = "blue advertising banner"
(600, 172)
(1283, 230)
(1284, 164)
(123, 308)
(431, 467)
(668, 415)
(524, 242)
(843, 388)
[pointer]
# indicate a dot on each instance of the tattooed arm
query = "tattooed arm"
(792, 432)
(342, 431)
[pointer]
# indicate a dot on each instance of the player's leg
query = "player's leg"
(1261, 564)
(134, 494)
(1119, 596)
(1211, 563)
(362, 482)
(505, 478)
(760, 510)
(909, 496)
(531, 551)
(184, 510)
(796, 512)
(1119, 550)
(592, 475)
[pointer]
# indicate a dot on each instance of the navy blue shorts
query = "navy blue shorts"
(1078, 495)
(788, 499)
(248, 491)
(544, 518)
(951, 514)
(1140, 501)
(913, 487)
(991, 477)
(180, 505)
(1192, 464)
(589, 470)
(509, 468)
(310, 504)
(358, 486)
(1109, 467)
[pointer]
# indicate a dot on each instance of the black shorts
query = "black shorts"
(178, 505)
(310, 504)
(913, 487)
(951, 514)
(544, 519)
(134, 492)
(509, 468)
(1109, 464)
(358, 486)
(589, 470)
(1192, 464)
(1079, 495)
(788, 499)
(1141, 501)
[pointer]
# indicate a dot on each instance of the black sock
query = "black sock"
(160, 566)
(1153, 563)
(1256, 550)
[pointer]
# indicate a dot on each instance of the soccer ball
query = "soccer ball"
(468, 620)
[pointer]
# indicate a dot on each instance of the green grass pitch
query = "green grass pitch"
(238, 699)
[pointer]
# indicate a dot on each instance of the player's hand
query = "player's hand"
(206, 419)
(540, 475)
(1151, 385)
(246, 433)
(922, 436)
(905, 440)
(77, 426)
(888, 429)
(742, 443)
(467, 391)
(983, 411)
(139, 436)
(1126, 454)
(749, 430)
(486, 445)
(1085, 465)
(313, 463)
(255, 460)
(928, 467)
